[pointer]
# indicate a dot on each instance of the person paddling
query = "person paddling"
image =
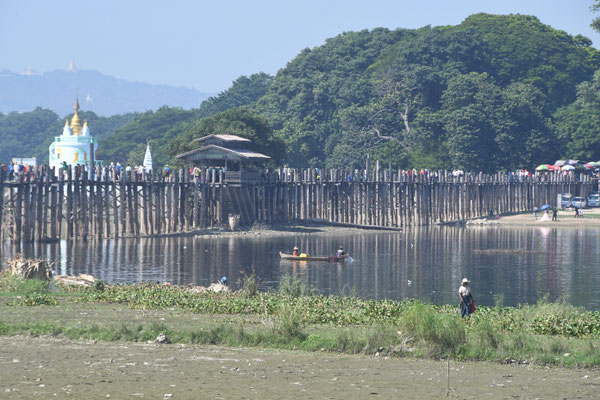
(296, 252)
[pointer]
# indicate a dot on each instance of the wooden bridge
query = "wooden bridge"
(42, 207)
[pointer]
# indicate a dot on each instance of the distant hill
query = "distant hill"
(104, 95)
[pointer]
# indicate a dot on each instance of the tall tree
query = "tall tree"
(578, 124)
(596, 22)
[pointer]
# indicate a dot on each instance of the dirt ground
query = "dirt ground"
(59, 368)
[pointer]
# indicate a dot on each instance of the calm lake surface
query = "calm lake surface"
(506, 265)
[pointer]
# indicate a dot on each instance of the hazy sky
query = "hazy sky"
(208, 44)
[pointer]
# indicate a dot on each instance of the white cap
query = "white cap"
(465, 280)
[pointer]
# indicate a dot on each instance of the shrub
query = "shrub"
(441, 334)
(15, 284)
(345, 342)
(290, 323)
(38, 299)
(380, 338)
(293, 287)
(249, 285)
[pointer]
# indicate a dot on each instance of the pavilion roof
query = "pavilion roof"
(214, 152)
(224, 138)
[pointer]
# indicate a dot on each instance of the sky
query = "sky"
(208, 44)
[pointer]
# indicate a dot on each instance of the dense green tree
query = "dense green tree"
(160, 125)
(491, 128)
(470, 108)
(303, 99)
(22, 133)
(243, 91)
(578, 124)
(595, 8)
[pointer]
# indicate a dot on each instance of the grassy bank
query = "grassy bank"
(293, 318)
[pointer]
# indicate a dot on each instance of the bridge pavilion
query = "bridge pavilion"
(229, 152)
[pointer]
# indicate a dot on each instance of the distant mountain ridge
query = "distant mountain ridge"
(103, 94)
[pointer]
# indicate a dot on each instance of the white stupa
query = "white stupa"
(148, 159)
(75, 144)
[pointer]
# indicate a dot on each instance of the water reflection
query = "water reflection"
(509, 265)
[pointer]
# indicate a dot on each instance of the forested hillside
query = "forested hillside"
(497, 92)
(481, 95)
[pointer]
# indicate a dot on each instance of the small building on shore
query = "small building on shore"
(75, 146)
(229, 152)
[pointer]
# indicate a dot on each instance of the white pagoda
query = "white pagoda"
(75, 146)
(148, 159)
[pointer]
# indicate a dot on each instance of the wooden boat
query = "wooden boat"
(285, 256)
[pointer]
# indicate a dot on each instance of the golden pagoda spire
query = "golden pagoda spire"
(76, 121)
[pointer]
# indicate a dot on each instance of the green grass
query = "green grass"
(545, 333)
(10, 285)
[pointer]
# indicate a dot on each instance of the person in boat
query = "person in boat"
(296, 252)
(340, 252)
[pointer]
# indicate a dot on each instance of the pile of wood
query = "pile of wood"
(215, 287)
(79, 280)
(29, 268)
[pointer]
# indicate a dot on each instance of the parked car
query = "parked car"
(578, 202)
(565, 200)
(593, 200)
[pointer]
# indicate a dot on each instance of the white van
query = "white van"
(578, 202)
(594, 200)
(565, 200)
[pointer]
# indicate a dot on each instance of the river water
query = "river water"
(506, 265)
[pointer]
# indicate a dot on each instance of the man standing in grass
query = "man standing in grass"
(466, 298)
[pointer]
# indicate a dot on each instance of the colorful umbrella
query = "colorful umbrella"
(568, 168)
(553, 168)
(560, 163)
(542, 167)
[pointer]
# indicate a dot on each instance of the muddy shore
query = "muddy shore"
(294, 228)
(59, 368)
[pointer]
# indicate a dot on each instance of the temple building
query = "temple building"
(75, 146)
